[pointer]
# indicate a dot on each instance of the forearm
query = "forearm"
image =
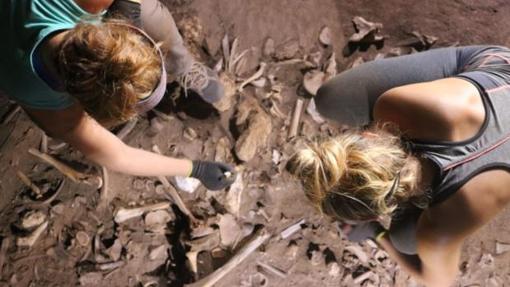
(139, 162)
(409, 263)
(412, 265)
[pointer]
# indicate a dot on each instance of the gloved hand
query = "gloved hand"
(213, 175)
(364, 231)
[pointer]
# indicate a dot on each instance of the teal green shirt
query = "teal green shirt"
(24, 24)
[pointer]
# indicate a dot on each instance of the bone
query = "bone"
(30, 240)
(296, 118)
(358, 252)
(289, 231)
(363, 277)
(502, 247)
(225, 44)
(6, 242)
(82, 238)
(124, 214)
(24, 178)
(110, 266)
(206, 243)
(75, 176)
(312, 81)
(103, 197)
(32, 219)
(50, 199)
(233, 55)
(11, 115)
(311, 109)
(174, 195)
(128, 127)
(259, 73)
(366, 32)
(272, 270)
(44, 142)
(235, 261)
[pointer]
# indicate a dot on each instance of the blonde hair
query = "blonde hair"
(108, 67)
(358, 175)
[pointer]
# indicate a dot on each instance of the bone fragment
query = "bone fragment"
(296, 118)
(246, 251)
(358, 252)
(30, 240)
(174, 195)
(226, 50)
(325, 36)
(110, 266)
(259, 73)
(272, 270)
(32, 219)
(206, 243)
(24, 178)
(363, 277)
(124, 214)
(11, 115)
(289, 231)
(6, 242)
(103, 195)
(233, 54)
(502, 247)
(313, 80)
(71, 173)
(82, 238)
(44, 143)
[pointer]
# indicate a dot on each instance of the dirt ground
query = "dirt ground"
(83, 244)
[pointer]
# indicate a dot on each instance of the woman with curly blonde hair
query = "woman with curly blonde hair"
(76, 71)
(431, 151)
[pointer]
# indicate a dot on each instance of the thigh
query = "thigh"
(158, 22)
(349, 98)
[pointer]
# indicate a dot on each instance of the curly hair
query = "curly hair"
(108, 68)
(358, 175)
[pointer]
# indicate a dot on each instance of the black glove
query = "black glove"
(364, 231)
(213, 175)
(126, 9)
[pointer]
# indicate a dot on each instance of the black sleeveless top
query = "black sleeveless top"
(488, 68)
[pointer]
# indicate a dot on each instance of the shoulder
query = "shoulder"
(430, 110)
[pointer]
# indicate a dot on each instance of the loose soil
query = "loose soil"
(267, 199)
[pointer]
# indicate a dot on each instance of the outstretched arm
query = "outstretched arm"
(101, 146)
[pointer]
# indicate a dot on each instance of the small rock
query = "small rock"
(255, 136)
(222, 153)
(159, 253)
(234, 195)
(190, 134)
(230, 230)
(269, 48)
(32, 219)
(91, 279)
(82, 238)
(312, 81)
(187, 184)
(287, 50)
(156, 221)
(228, 99)
(325, 37)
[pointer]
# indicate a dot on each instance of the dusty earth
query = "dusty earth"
(82, 243)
